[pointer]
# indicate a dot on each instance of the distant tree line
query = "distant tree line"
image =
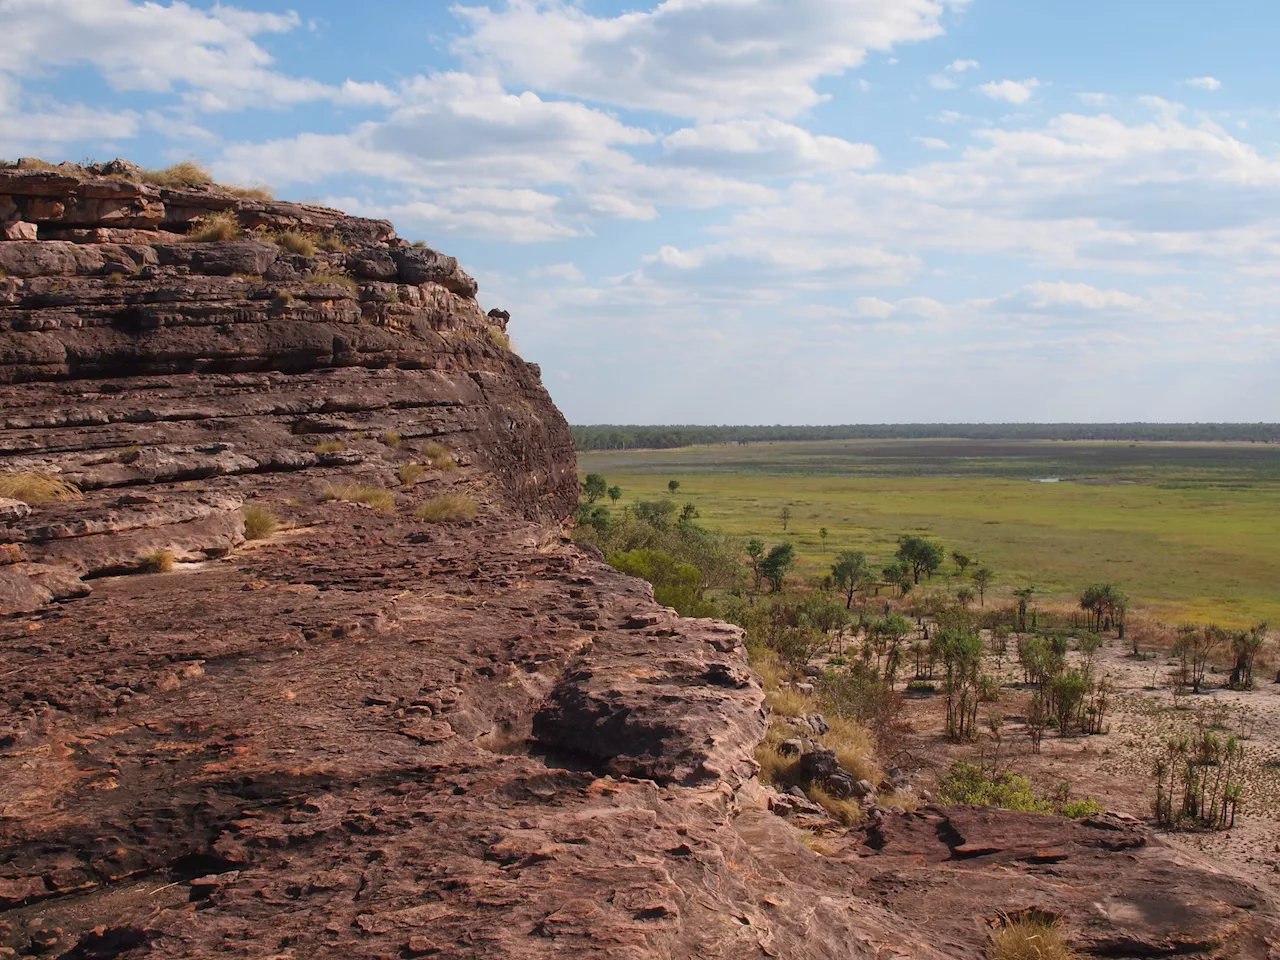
(617, 437)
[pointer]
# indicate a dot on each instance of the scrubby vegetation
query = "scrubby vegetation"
(410, 473)
(1006, 672)
(156, 561)
(447, 507)
(259, 522)
(334, 279)
(36, 488)
(440, 457)
(329, 446)
(1032, 937)
(185, 174)
(215, 227)
(376, 497)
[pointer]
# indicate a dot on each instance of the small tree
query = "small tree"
(1024, 595)
(963, 562)
(961, 650)
(850, 573)
(673, 486)
(1195, 647)
(898, 575)
(755, 555)
(1245, 645)
(923, 556)
(785, 516)
(823, 532)
(964, 596)
(776, 565)
(615, 494)
(594, 487)
(982, 578)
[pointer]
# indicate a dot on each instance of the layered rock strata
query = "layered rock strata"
(372, 736)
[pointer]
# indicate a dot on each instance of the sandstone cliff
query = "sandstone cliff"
(372, 736)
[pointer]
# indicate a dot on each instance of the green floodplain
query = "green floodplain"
(1190, 530)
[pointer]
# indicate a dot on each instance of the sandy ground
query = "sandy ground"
(1116, 767)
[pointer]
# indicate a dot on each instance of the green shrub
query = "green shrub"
(967, 785)
(675, 584)
(449, 506)
(259, 522)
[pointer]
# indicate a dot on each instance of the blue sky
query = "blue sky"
(746, 211)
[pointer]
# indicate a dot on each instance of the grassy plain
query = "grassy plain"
(1191, 531)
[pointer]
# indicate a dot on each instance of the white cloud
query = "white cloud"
(933, 143)
(1204, 83)
(709, 59)
(1010, 91)
(940, 81)
(766, 147)
(1096, 99)
(209, 57)
(960, 66)
(566, 272)
(1063, 296)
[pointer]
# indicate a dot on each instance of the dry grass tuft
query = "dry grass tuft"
(297, 241)
(817, 843)
(847, 812)
(410, 473)
(215, 228)
(776, 768)
(392, 439)
(36, 488)
(497, 336)
(855, 748)
(449, 506)
(332, 243)
(440, 457)
(335, 279)
(157, 561)
(1031, 938)
(789, 702)
(251, 193)
(185, 174)
(772, 673)
(259, 522)
(376, 497)
(329, 446)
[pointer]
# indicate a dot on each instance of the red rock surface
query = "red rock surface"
(370, 736)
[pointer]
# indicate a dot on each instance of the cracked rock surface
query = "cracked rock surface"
(368, 736)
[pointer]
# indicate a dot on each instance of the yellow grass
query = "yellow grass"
(259, 522)
(376, 497)
(36, 488)
(410, 473)
(440, 457)
(855, 748)
(296, 241)
(334, 279)
(449, 506)
(1031, 939)
(157, 561)
(392, 439)
(789, 702)
(185, 174)
(215, 228)
(329, 446)
(847, 812)
(250, 193)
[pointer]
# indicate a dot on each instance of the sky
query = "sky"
(751, 211)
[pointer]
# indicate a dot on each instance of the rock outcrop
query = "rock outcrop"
(368, 735)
